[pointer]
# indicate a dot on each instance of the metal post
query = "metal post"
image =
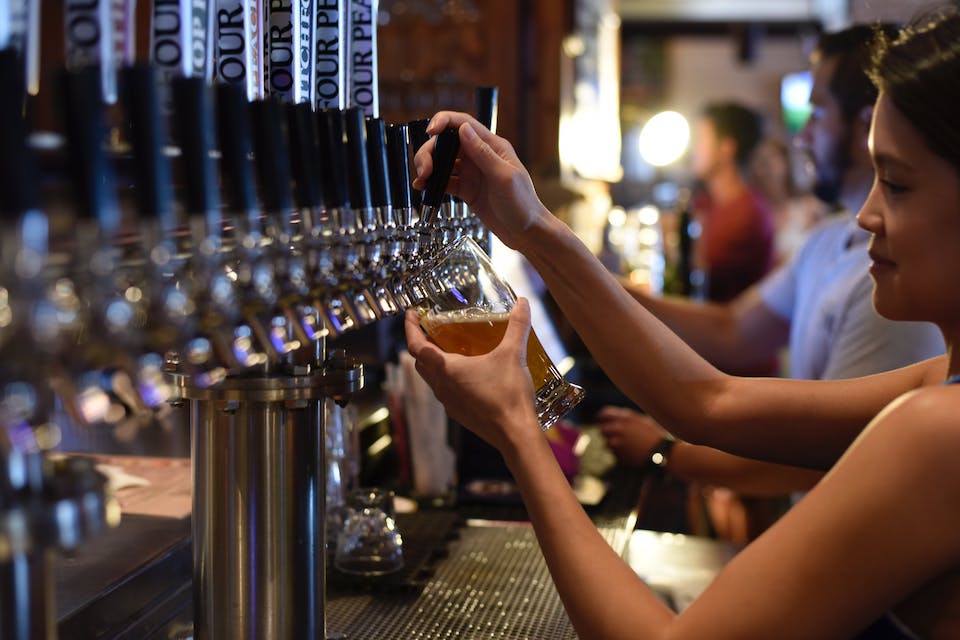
(257, 450)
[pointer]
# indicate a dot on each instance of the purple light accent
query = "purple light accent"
(151, 394)
(276, 339)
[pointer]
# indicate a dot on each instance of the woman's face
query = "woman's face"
(913, 212)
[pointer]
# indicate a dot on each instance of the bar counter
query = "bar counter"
(473, 570)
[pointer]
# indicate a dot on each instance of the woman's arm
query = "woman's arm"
(657, 370)
(632, 437)
(881, 523)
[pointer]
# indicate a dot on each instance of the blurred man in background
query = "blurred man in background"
(735, 247)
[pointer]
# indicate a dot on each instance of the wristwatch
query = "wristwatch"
(660, 454)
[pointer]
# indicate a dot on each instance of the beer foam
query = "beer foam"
(432, 318)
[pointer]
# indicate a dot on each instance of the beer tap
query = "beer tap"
(245, 240)
(315, 231)
(108, 332)
(428, 226)
(45, 503)
(432, 234)
(486, 104)
(442, 227)
(382, 198)
(337, 227)
(206, 352)
(154, 271)
(30, 335)
(363, 217)
(282, 227)
(399, 165)
(417, 133)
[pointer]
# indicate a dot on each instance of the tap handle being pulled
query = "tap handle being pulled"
(444, 158)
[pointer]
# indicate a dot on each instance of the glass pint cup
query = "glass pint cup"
(465, 310)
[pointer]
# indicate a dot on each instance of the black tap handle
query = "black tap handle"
(196, 136)
(486, 101)
(398, 160)
(333, 159)
(417, 132)
(93, 181)
(272, 154)
(358, 169)
(151, 167)
(304, 156)
(233, 117)
(444, 157)
(18, 177)
(377, 157)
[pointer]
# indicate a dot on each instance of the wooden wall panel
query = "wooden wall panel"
(431, 64)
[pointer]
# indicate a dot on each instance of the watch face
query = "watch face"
(661, 453)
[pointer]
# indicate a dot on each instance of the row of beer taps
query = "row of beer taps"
(259, 229)
(319, 234)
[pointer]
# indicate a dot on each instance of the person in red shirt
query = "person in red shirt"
(736, 245)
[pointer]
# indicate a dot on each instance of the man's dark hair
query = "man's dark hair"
(744, 126)
(852, 48)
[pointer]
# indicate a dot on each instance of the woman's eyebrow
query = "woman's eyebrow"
(887, 160)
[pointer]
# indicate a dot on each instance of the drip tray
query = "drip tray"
(493, 584)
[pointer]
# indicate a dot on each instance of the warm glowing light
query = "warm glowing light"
(648, 215)
(664, 138)
(617, 217)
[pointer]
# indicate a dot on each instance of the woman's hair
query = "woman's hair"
(919, 71)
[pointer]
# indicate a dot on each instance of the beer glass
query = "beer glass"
(369, 543)
(465, 309)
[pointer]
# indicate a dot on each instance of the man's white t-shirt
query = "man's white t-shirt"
(826, 293)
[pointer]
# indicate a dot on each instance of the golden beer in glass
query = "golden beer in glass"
(466, 312)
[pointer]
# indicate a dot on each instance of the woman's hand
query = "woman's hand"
(492, 395)
(488, 176)
(629, 434)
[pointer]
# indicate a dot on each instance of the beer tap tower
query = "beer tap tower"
(257, 445)
(237, 303)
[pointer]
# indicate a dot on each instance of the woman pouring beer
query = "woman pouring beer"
(876, 539)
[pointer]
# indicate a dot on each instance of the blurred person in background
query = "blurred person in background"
(735, 247)
(795, 210)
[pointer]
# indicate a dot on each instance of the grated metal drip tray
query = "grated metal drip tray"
(493, 584)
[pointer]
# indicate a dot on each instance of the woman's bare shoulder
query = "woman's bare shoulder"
(923, 428)
(930, 405)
